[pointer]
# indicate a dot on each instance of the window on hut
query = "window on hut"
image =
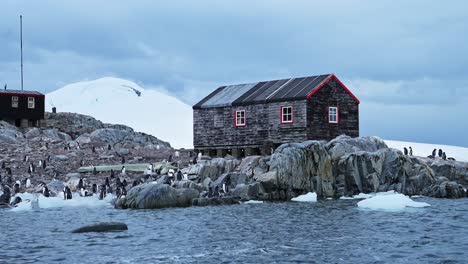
(14, 101)
(31, 102)
(240, 118)
(286, 114)
(333, 114)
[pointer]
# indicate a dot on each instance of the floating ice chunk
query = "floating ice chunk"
(390, 202)
(358, 196)
(253, 202)
(309, 197)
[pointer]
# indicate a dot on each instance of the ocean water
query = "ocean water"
(328, 231)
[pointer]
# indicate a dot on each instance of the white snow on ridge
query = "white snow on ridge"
(425, 149)
(116, 101)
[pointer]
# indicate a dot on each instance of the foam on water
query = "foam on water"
(38, 201)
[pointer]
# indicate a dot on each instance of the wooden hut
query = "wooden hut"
(254, 118)
(22, 108)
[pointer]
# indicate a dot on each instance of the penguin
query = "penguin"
(177, 154)
(135, 183)
(109, 147)
(40, 163)
(194, 161)
(410, 151)
(16, 201)
(199, 156)
(102, 192)
(124, 183)
(216, 191)
(169, 159)
(25, 158)
(94, 171)
(16, 187)
(112, 174)
(94, 188)
(0, 178)
(123, 170)
(118, 183)
(210, 192)
(44, 164)
(118, 192)
(107, 182)
(93, 149)
(108, 189)
(450, 158)
(123, 160)
(444, 157)
(8, 171)
(48, 158)
(179, 175)
(440, 153)
(3, 165)
(124, 191)
(81, 163)
(6, 196)
(82, 192)
(28, 183)
(405, 151)
(33, 167)
(47, 145)
(80, 184)
(45, 191)
(29, 169)
(67, 195)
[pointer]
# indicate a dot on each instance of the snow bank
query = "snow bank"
(424, 150)
(35, 201)
(309, 197)
(389, 202)
(118, 101)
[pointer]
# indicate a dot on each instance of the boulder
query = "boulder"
(235, 178)
(10, 136)
(153, 196)
(184, 184)
(102, 227)
(345, 145)
(61, 157)
(453, 170)
(253, 191)
(56, 186)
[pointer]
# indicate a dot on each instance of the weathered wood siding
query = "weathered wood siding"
(317, 113)
(215, 128)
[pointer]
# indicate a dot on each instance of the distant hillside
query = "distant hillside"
(119, 101)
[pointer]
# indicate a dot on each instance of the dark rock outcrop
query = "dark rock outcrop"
(102, 227)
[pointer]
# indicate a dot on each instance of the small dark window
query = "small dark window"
(31, 102)
(14, 101)
(286, 114)
(240, 118)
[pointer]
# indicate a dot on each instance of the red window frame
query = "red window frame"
(337, 115)
(292, 115)
(235, 119)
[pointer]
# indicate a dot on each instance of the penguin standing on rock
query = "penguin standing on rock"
(410, 151)
(67, 195)
(107, 182)
(123, 160)
(405, 151)
(123, 170)
(94, 188)
(93, 149)
(444, 157)
(80, 184)
(45, 191)
(16, 187)
(112, 175)
(6, 196)
(109, 147)
(440, 153)
(44, 164)
(94, 171)
(118, 183)
(124, 183)
(434, 152)
(102, 192)
(28, 183)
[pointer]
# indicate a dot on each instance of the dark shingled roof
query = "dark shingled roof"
(267, 92)
(20, 92)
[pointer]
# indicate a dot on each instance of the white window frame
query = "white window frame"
(333, 112)
(31, 102)
(239, 118)
(14, 101)
(283, 115)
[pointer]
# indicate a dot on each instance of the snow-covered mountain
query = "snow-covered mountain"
(119, 101)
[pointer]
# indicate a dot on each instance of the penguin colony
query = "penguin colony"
(104, 184)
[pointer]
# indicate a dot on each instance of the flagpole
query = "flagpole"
(21, 40)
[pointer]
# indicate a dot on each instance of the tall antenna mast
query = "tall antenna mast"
(21, 40)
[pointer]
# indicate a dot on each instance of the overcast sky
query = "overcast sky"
(407, 61)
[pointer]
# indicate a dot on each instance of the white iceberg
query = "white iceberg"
(253, 202)
(390, 202)
(309, 197)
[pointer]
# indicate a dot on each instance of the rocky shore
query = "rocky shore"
(79, 147)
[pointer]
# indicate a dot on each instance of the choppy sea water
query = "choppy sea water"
(329, 231)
